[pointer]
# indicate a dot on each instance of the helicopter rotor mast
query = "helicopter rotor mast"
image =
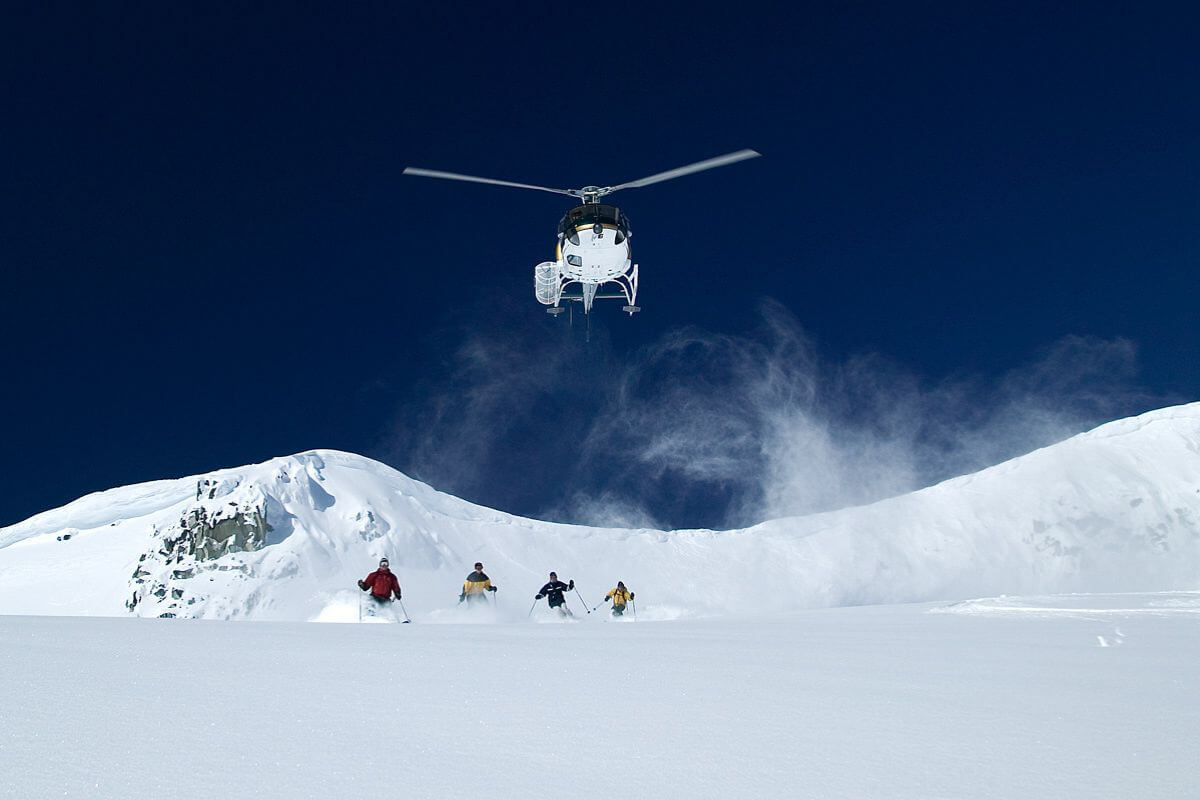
(591, 194)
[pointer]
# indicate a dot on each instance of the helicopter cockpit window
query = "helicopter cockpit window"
(591, 214)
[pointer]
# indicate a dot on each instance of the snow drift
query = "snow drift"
(1114, 509)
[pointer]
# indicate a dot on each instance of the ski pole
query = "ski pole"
(633, 603)
(405, 610)
(585, 608)
(530, 614)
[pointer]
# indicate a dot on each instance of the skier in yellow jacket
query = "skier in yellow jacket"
(620, 597)
(475, 585)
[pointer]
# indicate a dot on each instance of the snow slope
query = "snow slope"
(1114, 509)
(869, 702)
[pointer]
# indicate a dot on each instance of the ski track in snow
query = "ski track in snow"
(1085, 606)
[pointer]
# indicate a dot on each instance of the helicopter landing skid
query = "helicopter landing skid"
(586, 294)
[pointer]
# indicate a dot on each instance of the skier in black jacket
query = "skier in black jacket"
(553, 591)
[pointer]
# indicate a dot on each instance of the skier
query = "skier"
(382, 583)
(475, 585)
(620, 598)
(554, 591)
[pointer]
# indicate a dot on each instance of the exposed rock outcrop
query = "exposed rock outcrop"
(165, 580)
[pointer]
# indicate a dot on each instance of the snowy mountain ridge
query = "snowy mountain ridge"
(1114, 509)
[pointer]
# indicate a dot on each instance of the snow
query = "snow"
(891, 701)
(1115, 509)
(1030, 630)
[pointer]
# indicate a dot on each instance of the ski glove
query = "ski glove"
(362, 585)
(492, 588)
(462, 597)
(537, 597)
(632, 595)
(572, 586)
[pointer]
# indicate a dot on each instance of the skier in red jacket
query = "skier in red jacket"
(381, 583)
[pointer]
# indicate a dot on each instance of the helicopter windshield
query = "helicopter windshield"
(589, 214)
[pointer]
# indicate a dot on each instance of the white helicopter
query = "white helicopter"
(593, 239)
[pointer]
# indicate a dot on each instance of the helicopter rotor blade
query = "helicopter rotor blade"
(454, 176)
(719, 161)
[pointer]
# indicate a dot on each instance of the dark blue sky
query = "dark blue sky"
(210, 256)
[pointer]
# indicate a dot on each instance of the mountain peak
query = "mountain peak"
(1117, 508)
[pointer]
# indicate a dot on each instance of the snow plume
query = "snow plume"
(795, 433)
(716, 429)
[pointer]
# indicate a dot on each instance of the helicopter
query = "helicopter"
(593, 239)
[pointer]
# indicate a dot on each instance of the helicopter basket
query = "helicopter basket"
(547, 283)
